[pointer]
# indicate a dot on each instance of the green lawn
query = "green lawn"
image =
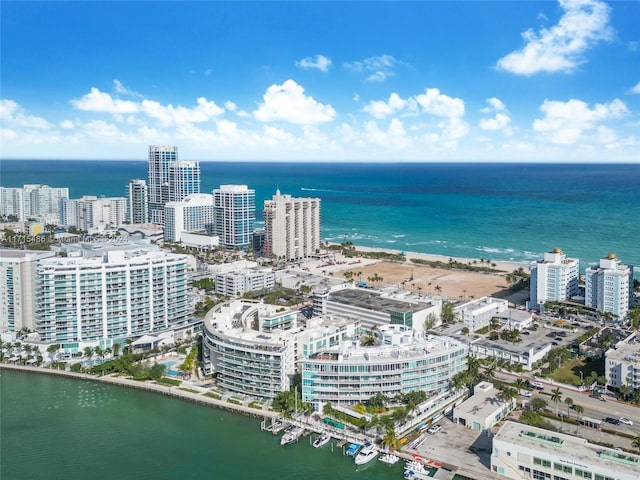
(570, 371)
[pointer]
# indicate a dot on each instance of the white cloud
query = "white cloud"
(169, 115)
(380, 109)
(501, 121)
(565, 122)
(379, 67)
(561, 48)
(436, 103)
(119, 88)
(635, 89)
(13, 115)
(66, 124)
(289, 103)
(97, 101)
(319, 62)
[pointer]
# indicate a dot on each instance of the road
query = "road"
(593, 408)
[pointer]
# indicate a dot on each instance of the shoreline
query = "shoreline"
(176, 392)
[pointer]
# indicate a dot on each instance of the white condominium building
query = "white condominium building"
(184, 180)
(622, 363)
(123, 293)
(160, 156)
(348, 374)
(553, 279)
(32, 201)
(609, 287)
(93, 213)
(250, 348)
(195, 213)
(292, 226)
(17, 288)
(138, 202)
(238, 282)
(478, 313)
(235, 215)
(524, 452)
(12, 202)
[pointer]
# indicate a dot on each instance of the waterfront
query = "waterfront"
(72, 428)
(511, 212)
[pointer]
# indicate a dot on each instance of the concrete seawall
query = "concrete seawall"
(175, 392)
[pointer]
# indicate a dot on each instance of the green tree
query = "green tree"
(538, 403)
(625, 391)
(556, 396)
(447, 314)
(635, 443)
(379, 400)
(579, 410)
(507, 394)
(116, 349)
(430, 321)
(569, 403)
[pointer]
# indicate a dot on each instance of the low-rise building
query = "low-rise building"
(477, 314)
(237, 282)
(482, 410)
(525, 452)
(622, 363)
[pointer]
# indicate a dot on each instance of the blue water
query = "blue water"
(493, 211)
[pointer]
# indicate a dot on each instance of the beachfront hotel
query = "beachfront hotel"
(115, 295)
(609, 286)
(17, 288)
(553, 279)
(235, 215)
(292, 227)
(524, 452)
(348, 373)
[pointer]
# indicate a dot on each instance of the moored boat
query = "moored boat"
(366, 454)
(322, 440)
(389, 458)
(291, 435)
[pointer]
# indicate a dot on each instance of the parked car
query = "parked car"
(434, 429)
(625, 420)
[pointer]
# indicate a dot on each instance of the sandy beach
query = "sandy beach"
(454, 284)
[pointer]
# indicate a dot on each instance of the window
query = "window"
(582, 473)
(538, 475)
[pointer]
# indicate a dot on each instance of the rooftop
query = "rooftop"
(369, 300)
(571, 449)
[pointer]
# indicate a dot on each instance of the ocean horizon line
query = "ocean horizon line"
(344, 162)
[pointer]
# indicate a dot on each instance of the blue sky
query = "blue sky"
(322, 81)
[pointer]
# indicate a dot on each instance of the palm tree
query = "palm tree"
(390, 440)
(378, 400)
(556, 396)
(507, 394)
(579, 409)
(569, 402)
(116, 349)
(438, 289)
(635, 443)
(625, 391)
(88, 352)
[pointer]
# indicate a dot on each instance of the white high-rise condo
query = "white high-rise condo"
(160, 156)
(193, 214)
(93, 213)
(609, 287)
(184, 180)
(17, 288)
(40, 201)
(123, 293)
(138, 205)
(553, 279)
(292, 226)
(235, 215)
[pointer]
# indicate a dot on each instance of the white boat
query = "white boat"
(291, 435)
(389, 458)
(322, 440)
(367, 453)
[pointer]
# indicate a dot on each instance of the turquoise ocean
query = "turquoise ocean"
(510, 212)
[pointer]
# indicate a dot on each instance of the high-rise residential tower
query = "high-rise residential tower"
(184, 180)
(93, 213)
(138, 201)
(160, 156)
(609, 287)
(553, 279)
(292, 226)
(235, 215)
